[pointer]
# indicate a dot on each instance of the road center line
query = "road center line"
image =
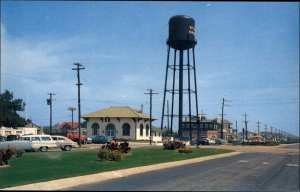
(243, 161)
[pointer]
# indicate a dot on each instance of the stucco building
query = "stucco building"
(120, 123)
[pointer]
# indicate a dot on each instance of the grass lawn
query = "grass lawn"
(37, 166)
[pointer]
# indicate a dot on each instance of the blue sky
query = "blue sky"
(247, 52)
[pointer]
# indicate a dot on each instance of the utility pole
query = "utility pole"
(49, 102)
(246, 122)
(72, 109)
(271, 132)
(78, 68)
(266, 126)
(236, 127)
(199, 131)
(150, 93)
(222, 120)
(258, 122)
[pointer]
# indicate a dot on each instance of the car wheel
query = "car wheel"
(67, 148)
(44, 149)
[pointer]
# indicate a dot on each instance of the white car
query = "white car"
(64, 143)
(40, 142)
(31, 143)
(211, 141)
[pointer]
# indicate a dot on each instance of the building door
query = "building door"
(110, 131)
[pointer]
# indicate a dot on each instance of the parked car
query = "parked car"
(64, 143)
(211, 141)
(18, 144)
(89, 140)
(31, 143)
(40, 142)
(12, 137)
(74, 136)
(245, 141)
(201, 142)
(2, 138)
(220, 141)
(101, 139)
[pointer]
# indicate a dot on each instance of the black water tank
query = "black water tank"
(181, 32)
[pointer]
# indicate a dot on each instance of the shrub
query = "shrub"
(171, 145)
(116, 156)
(5, 155)
(124, 147)
(109, 155)
(16, 152)
(185, 150)
(103, 154)
(19, 152)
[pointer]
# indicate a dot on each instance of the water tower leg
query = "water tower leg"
(180, 93)
(166, 79)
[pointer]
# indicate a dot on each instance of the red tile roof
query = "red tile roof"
(75, 125)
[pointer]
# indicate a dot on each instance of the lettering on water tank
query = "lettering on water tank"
(192, 30)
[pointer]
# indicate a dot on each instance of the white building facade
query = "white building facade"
(120, 123)
(5, 131)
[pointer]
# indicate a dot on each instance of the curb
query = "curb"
(104, 176)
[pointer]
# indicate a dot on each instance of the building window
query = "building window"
(147, 130)
(126, 129)
(141, 129)
(95, 128)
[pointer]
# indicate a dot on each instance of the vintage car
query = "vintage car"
(64, 143)
(31, 143)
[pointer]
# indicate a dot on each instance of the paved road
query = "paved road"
(244, 172)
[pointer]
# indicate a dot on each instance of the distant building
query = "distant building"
(68, 126)
(120, 123)
(209, 128)
(29, 129)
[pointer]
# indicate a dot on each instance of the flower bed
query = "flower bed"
(185, 150)
(113, 151)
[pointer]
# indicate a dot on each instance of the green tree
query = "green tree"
(8, 111)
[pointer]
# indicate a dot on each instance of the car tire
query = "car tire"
(67, 148)
(43, 149)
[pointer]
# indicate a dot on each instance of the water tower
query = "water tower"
(181, 39)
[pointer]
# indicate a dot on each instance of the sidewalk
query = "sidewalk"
(86, 179)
